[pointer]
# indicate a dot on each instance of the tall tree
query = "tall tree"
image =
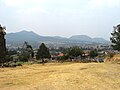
(43, 52)
(2, 44)
(27, 52)
(115, 39)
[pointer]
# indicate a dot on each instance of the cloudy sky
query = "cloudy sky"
(94, 18)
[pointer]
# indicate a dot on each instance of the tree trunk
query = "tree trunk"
(43, 60)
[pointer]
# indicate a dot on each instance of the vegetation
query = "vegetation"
(2, 45)
(112, 58)
(23, 57)
(115, 39)
(70, 76)
(63, 58)
(75, 52)
(111, 55)
(43, 52)
(26, 53)
(93, 53)
(61, 76)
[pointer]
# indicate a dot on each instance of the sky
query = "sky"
(94, 18)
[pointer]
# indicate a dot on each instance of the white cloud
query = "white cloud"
(15, 3)
(22, 3)
(32, 10)
(26, 6)
(96, 4)
(113, 3)
(93, 7)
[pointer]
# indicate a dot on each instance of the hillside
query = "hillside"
(33, 38)
(114, 59)
(86, 38)
(81, 38)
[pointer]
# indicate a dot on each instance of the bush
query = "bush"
(19, 63)
(11, 64)
(8, 58)
(111, 55)
(93, 53)
(23, 58)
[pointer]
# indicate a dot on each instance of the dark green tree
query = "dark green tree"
(93, 53)
(75, 51)
(115, 38)
(43, 52)
(24, 56)
(2, 44)
(27, 53)
(30, 51)
(11, 52)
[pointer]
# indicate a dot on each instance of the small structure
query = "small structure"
(2, 44)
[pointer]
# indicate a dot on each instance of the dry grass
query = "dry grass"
(66, 76)
(114, 59)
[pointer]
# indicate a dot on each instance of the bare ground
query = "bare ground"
(57, 76)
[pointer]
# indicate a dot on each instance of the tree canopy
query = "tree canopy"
(75, 51)
(115, 38)
(93, 53)
(43, 52)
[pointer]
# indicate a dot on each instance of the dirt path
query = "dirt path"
(68, 76)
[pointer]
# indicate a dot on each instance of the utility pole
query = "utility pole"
(2, 44)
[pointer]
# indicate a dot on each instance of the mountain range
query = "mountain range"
(33, 38)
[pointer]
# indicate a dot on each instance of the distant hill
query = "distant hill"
(99, 40)
(21, 37)
(33, 38)
(81, 38)
(86, 38)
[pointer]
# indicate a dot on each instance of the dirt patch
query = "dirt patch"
(83, 68)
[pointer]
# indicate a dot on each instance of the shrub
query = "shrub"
(111, 55)
(8, 58)
(11, 64)
(23, 58)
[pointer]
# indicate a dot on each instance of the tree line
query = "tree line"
(43, 51)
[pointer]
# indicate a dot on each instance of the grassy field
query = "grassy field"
(66, 76)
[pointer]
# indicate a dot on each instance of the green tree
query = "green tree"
(115, 39)
(26, 53)
(28, 49)
(2, 45)
(24, 56)
(93, 53)
(43, 52)
(75, 51)
(11, 52)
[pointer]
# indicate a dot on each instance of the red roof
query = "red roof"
(61, 54)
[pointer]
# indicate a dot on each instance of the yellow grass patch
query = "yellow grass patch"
(66, 76)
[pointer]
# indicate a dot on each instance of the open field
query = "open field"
(61, 76)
